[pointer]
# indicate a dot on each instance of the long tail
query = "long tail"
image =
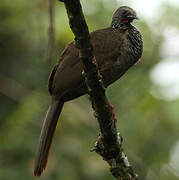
(46, 136)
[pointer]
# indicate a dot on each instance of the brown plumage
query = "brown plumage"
(119, 43)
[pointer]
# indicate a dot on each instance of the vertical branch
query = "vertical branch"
(50, 43)
(109, 143)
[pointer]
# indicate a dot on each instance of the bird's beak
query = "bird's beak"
(136, 17)
(132, 17)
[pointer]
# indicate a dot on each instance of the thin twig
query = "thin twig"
(50, 43)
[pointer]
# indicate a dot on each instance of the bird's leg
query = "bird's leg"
(113, 114)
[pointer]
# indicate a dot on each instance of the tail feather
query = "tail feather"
(46, 136)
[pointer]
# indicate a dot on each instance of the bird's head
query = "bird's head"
(122, 17)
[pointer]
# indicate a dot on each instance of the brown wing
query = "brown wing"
(107, 44)
(68, 73)
(68, 59)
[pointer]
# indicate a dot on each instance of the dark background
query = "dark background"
(147, 108)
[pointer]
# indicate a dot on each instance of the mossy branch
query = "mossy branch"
(109, 143)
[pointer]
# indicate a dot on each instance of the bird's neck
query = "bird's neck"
(135, 38)
(120, 25)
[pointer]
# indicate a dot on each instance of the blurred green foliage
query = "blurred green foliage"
(149, 125)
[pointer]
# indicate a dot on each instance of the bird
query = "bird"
(119, 43)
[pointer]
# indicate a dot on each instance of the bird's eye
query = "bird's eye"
(125, 20)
